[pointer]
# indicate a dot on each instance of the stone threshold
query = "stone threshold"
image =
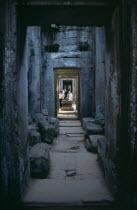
(67, 192)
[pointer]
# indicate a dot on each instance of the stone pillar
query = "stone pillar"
(61, 84)
(100, 73)
(34, 73)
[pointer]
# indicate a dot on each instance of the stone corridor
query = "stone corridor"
(75, 176)
(39, 42)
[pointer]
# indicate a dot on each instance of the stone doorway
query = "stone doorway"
(67, 80)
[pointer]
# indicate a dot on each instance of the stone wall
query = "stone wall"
(14, 164)
(112, 103)
(132, 144)
(69, 55)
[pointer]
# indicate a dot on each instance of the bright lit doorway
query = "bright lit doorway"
(67, 96)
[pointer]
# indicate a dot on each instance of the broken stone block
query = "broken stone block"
(92, 129)
(39, 160)
(45, 112)
(91, 142)
(55, 122)
(85, 120)
(33, 137)
(39, 117)
(48, 127)
(101, 145)
(47, 132)
(30, 120)
(33, 126)
(101, 123)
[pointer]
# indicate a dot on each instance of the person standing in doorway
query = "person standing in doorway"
(63, 94)
(70, 96)
(60, 98)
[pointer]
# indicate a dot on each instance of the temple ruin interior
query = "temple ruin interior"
(68, 98)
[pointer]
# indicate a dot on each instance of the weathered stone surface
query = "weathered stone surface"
(39, 117)
(45, 112)
(88, 145)
(34, 54)
(33, 126)
(65, 55)
(100, 73)
(73, 177)
(87, 119)
(30, 120)
(100, 122)
(39, 160)
(91, 142)
(48, 127)
(74, 123)
(92, 128)
(69, 56)
(71, 173)
(55, 122)
(101, 144)
(47, 132)
(33, 137)
(69, 48)
(71, 130)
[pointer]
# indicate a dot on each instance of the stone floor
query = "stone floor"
(63, 116)
(75, 175)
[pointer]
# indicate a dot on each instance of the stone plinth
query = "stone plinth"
(67, 105)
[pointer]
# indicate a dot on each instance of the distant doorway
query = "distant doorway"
(67, 93)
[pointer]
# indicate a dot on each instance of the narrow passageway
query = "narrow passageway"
(75, 175)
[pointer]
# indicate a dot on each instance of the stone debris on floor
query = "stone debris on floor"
(39, 160)
(75, 176)
(92, 140)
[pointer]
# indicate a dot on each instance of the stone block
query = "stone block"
(30, 120)
(101, 145)
(92, 129)
(91, 142)
(33, 126)
(68, 62)
(39, 160)
(33, 137)
(85, 54)
(69, 48)
(101, 123)
(48, 127)
(39, 117)
(47, 132)
(87, 119)
(65, 55)
(86, 63)
(55, 122)
(44, 112)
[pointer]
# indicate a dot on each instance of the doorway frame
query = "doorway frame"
(63, 73)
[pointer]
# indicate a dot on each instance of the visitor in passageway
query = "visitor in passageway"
(70, 96)
(63, 93)
(60, 98)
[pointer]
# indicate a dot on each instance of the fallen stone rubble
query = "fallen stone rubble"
(41, 131)
(94, 133)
